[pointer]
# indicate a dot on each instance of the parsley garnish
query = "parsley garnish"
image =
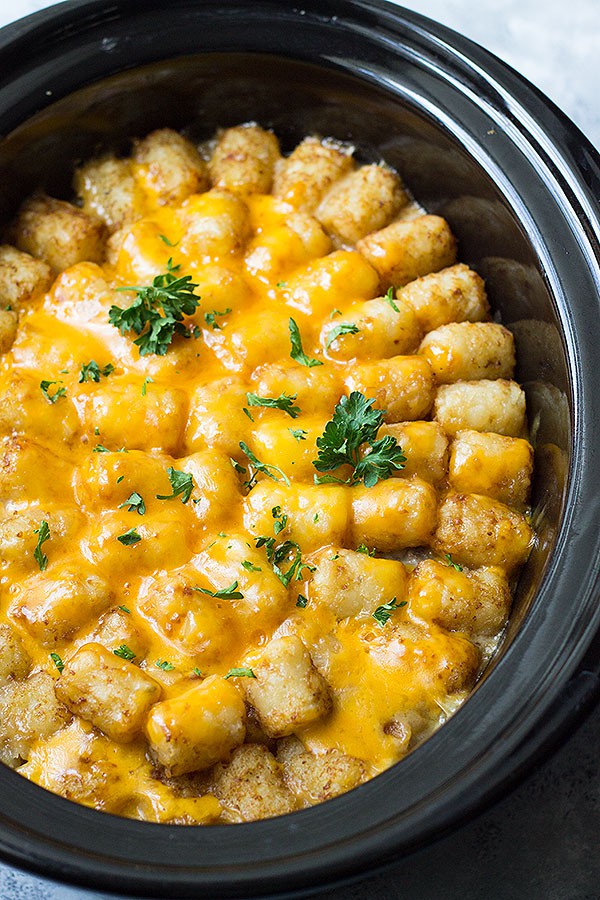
(362, 548)
(450, 562)
(120, 479)
(285, 402)
(342, 328)
(135, 503)
(297, 353)
(237, 466)
(248, 413)
(298, 433)
(147, 381)
(196, 671)
(91, 371)
(125, 609)
(164, 665)
(355, 422)
(301, 601)
(383, 613)
(229, 593)
(129, 537)
(182, 484)
(240, 673)
(389, 298)
(43, 533)
(261, 467)
(280, 519)
(166, 241)
(175, 296)
(57, 662)
(210, 317)
(279, 553)
(59, 392)
(250, 567)
(124, 652)
(100, 448)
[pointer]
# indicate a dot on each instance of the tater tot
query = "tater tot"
(354, 584)
(287, 692)
(468, 351)
(456, 294)
(405, 250)
(110, 692)
(9, 321)
(196, 729)
(308, 172)
(317, 388)
(475, 601)
(497, 406)
(478, 531)
(243, 160)
(403, 386)
(320, 286)
(169, 166)
(217, 418)
(316, 514)
(58, 232)
(109, 191)
(216, 224)
(291, 445)
(393, 514)
(14, 660)
(250, 786)
(363, 201)
(382, 331)
(425, 447)
(22, 277)
(492, 464)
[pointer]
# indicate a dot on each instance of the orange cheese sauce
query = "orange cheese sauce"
(74, 454)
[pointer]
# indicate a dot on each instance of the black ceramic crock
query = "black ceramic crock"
(519, 185)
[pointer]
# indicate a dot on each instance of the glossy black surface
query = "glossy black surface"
(517, 183)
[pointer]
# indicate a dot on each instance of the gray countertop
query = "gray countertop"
(542, 841)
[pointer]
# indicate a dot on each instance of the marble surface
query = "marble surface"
(541, 841)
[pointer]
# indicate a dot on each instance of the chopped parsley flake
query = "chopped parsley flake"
(43, 533)
(124, 652)
(164, 665)
(135, 503)
(229, 593)
(297, 353)
(57, 662)
(450, 562)
(196, 671)
(240, 673)
(250, 567)
(383, 613)
(182, 484)
(298, 434)
(284, 402)
(389, 298)
(301, 601)
(259, 466)
(129, 537)
(58, 393)
(280, 519)
(210, 317)
(147, 381)
(125, 609)
(362, 548)
(91, 371)
(342, 328)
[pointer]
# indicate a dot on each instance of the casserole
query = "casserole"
(474, 145)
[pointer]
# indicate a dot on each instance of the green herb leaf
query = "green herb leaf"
(297, 353)
(450, 562)
(248, 413)
(166, 241)
(301, 601)
(240, 673)
(52, 398)
(124, 652)
(91, 371)
(389, 298)
(125, 609)
(278, 554)
(210, 317)
(182, 484)
(342, 328)
(164, 665)
(100, 448)
(229, 593)
(196, 671)
(280, 519)
(259, 466)
(129, 537)
(237, 466)
(383, 613)
(169, 293)
(250, 567)
(147, 381)
(298, 433)
(355, 422)
(43, 533)
(120, 479)
(362, 548)
(57, 662)
(284, 402)
(135, 503)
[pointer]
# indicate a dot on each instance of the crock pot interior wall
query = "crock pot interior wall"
(201, 93)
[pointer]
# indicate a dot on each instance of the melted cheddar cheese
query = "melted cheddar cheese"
(154, 627)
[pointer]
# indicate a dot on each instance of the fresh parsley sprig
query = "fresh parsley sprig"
(169, 293)
(285, 402)
(228, 593)
(383, 612)
(297, 353)
(356, 422)
(278, 554)
(342, 328)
